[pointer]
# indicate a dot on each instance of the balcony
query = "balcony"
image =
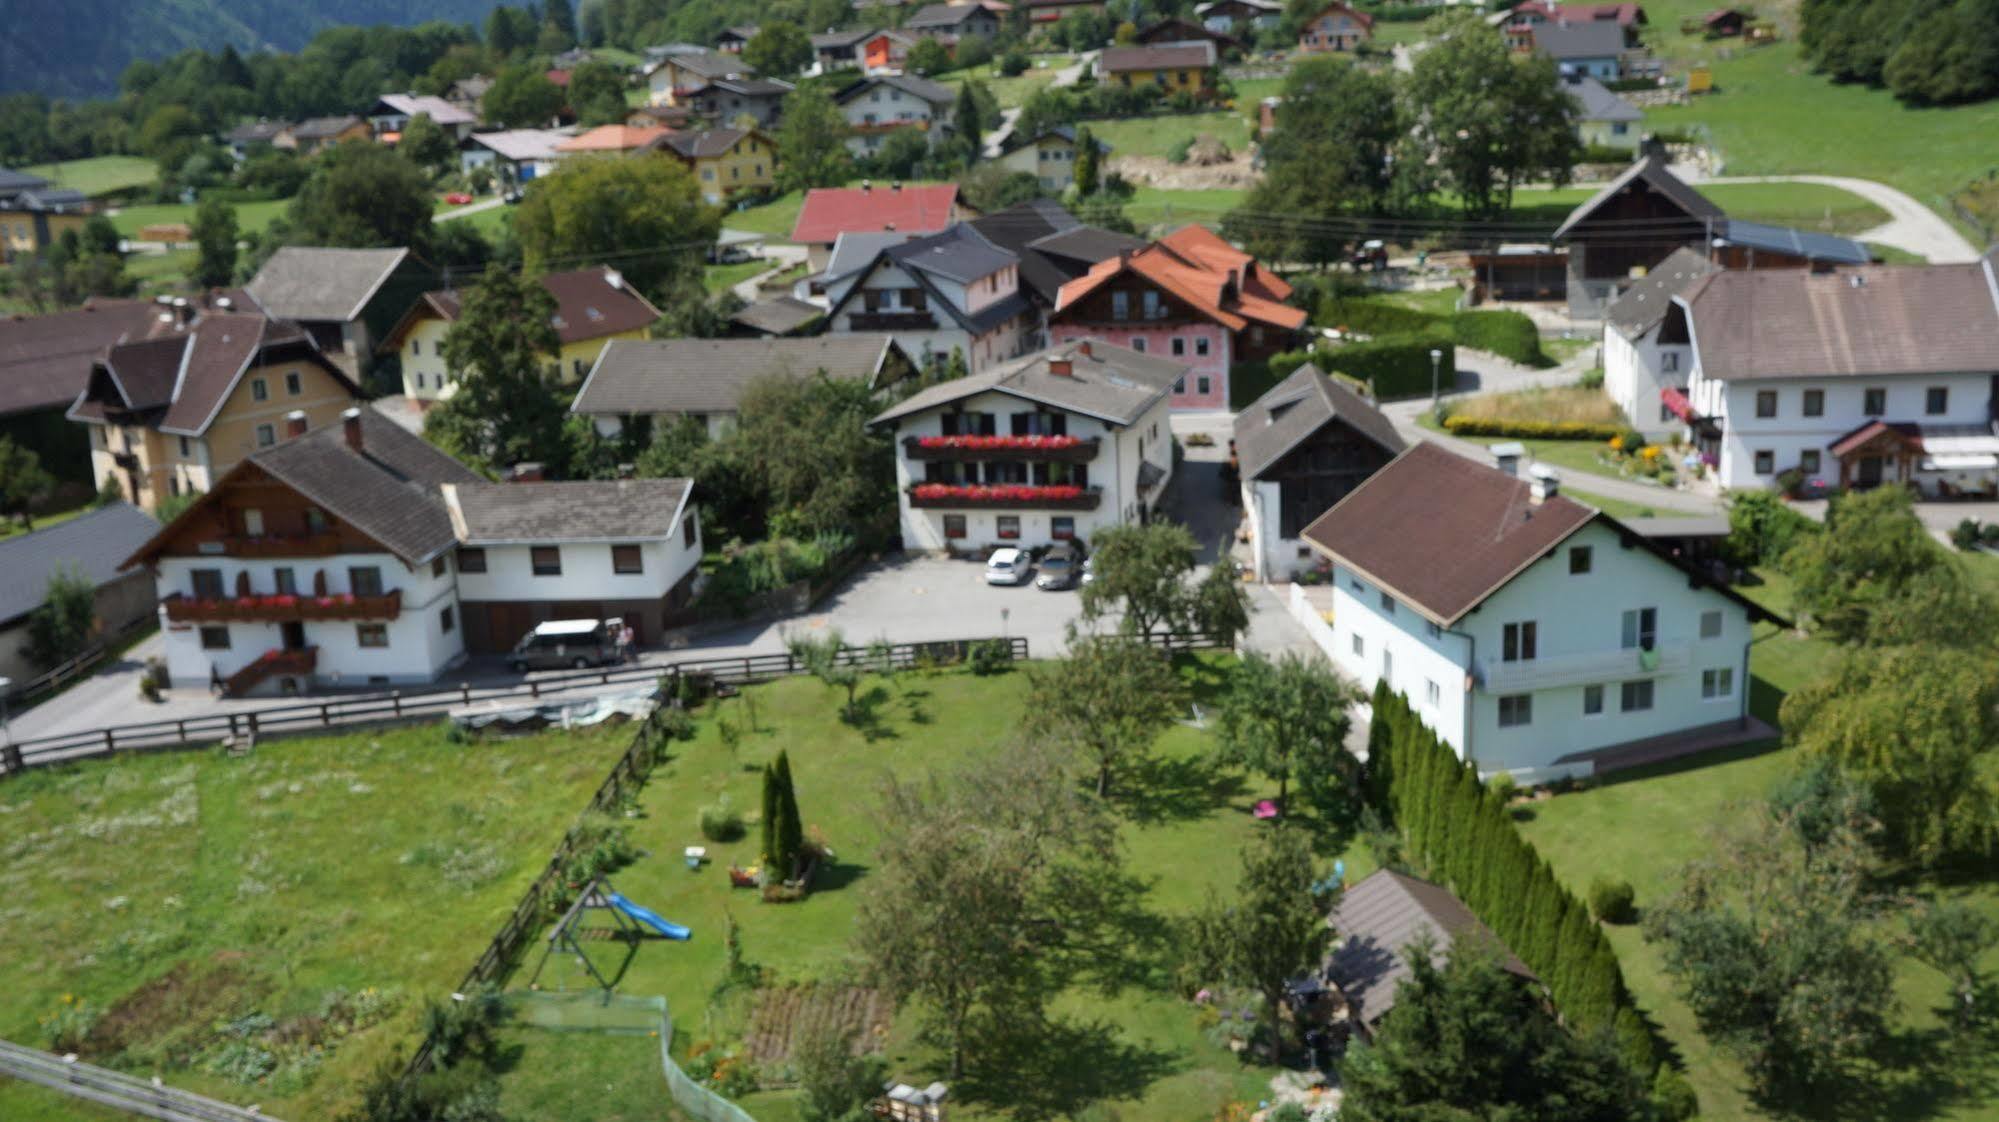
(1002, 496)
(964, 449)
(892, 321)
(128, 461)
(271, 663)
(282, 545)
(284, 609)
(1592, 668)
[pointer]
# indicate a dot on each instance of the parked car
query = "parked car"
(458, 198)
(580, 643)
(1060, 568)
(1009, 566)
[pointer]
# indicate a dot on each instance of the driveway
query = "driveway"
(1911, 225)
(1070, 75)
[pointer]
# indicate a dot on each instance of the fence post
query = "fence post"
(10, 756)
(396, 698)
(534, 688)
(253, 724)
(465, 693)
(110, 744)
(325, 715)
(180, 730)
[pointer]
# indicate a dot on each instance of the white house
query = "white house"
(514, 155)
(1536, 635)
(885, 103)
(640, 384)
(1853, 376)
(1642, 356)
(1049, 155)
(948, 292)
(1052, 446)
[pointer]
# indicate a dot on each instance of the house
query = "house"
(1536, 635)
(45, 363)
(1053, 11)
(829, 212)
(724, 161)
(1724, 23)
(1190, 296)
(1642, 357)
(1856, 376)
(1048, 447)
(1049, 155)
(660, 116)
(318, 133)
(469, 94)
(1520, 271)
(1519, 22)
(34, 215)
(639, 385)
(887, 52)
(171, 414)
(840, 50)
(949, 23)
(732, 40)
(355, 553)
(1173, 67)
(1177, 30)
(391, 113)
(728, 100)
(1603, 119)
(938, 294)
(90, 545)
(1300, 448)
(882, 104)
(513, 155)
(252, 137)
(344, 298)
(1379, 920)
(612, 139)
(1240, 18)
(673, 77)
(775, 318)
(1054, 247)
(1592, 47)
(1337, 27)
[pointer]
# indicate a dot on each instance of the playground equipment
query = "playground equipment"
(630, 925)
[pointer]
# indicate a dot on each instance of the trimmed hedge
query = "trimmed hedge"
(1510, 335)
(1530, 430)
(1396, 366)
(1374, 317)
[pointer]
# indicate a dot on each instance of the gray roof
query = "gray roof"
(430, 105)
(780, 316)
(1645, 303)
(1800, 243)
(255, 131)
(1382, 915)
(710, 65)
(1296, 408)
(1692, 526)
(619, 510)
(961, 254)
(1089, 244)
(1595, 101)
(655, 376)
(1650, 171)
(748, 87)
(855, 250)
(94, 544)
(836, 40)
(315, 283)
(946, 15)
(11, 181)
(936, 93)
(519, 144)
(315, 128)
(1108, 382)
(1596, 38)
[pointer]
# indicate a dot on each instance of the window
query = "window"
(1387, 604)
(207, 583)
(1669, 362)
(1579, 560)
(1138, 343)
(214, 638)
(1936, 400)
(260, 390)
(1766, 461)
(1874, 402)
(954, 525)
(416, 346)
(266, 436)
(1516, 709)
(1120, 305)
(440, 565)
(185, 449)
(1434, 631)
(371, 634)
(1062, 527)
(1180, 384)
(1203, 385)
(1641, 628)
(689, 530)
(253, 522)
(1717, 683)
(293, 386)
(1359, 646)
(1635, 697)
(1201, 347)
(1766, 403)
(545, 560)
(1592, 701)
(471, 560)
(364, 580)
(1808, 461)
(285, 580)
(1432, 696)
(1009, 526)
(1711, 624)
(445, 622)
(1153, 308)
(627, 559)
(1814, 403)
(1354, 583)
(1179, 346)
(1518, 642)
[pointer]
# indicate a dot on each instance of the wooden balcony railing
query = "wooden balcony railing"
(1039, 449)
(283, 609)
(893, 321)
(282, 545)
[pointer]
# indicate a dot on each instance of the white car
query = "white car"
(1009, 566)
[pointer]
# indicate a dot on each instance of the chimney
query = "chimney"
(1506, 457)
(294, 424)
(350, 426)
(1083, 348)
(525, 472)
(1545, 485)
(614, 278)
(1061, 368)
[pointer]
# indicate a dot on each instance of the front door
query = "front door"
(1869, 471)
(292, 634)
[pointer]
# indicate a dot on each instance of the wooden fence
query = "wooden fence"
(62, 674)
(117, 1090)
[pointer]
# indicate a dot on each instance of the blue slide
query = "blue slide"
(651, 919)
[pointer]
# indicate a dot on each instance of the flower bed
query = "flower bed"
(1002, 494)
(998, 443)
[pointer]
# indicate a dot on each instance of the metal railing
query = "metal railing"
(117, 1090)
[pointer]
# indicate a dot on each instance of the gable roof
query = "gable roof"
(936, 93)
(45, 360)
(781, 315)
(1799, 243)
(613, 138)
(1595, 101)
(945, 15)
(1158, 56)
(1649, 171)
(831, 211)
(12, 181)
(618, 510)
(1585, 39)
(1645, 303)
(595, 302)
(1350, 12)
(703, 145)
(709, 65)
(436, 108)
(748, 87)
(1107, 382)
(1381, 916)
(1296, 408)
(315, 283)
(323, 128)
(251, 132)
(959, 253)
(709, 375)
(1870, 320)
(1210, 275)
(842, 40)
(519, 144)
(93, 544)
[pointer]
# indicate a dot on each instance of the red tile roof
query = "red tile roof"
(1196, 265)
(832, 211)
(613, 138)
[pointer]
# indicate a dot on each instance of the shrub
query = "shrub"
(1510, 335)
(1178, 153)
(991, 656)
(1460, 425)
(1013, 63)
(1395, 365)
(1592, 379)
(1762, 527)
(1610, 901)
(1503, 785)
(675, 724)
(721, 822)
(1673, 1097)
(1967, 534)
(1630, 441)
(1372, 316)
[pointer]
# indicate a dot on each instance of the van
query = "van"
(581, 643)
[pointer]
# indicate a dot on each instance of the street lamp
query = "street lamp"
(1436, 360)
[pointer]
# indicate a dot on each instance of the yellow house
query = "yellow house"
(317, 133)
(1173, 67)
(592, 307)
(33, 214)
(170, 414)
(724, 161)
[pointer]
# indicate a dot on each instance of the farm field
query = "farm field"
(100, 175)
(251, 218)
(1158, 136)
(180, 913)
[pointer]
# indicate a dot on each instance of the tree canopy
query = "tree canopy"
(644, 213)
(812, 142)
(779, 48)
(1142, 572)
(1289, 717)
(1109, 699)
(504, 412)
(1272, 931)
(362, 195)
(1494, 118)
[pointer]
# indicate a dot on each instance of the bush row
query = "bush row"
(1396, 366)
(1511, 335)
(1530, 430)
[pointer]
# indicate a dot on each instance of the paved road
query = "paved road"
(783, 256)
(1911, 225)
(1070, 75)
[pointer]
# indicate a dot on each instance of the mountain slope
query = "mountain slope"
(77, 48)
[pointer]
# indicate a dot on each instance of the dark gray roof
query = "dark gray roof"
(1088, 244)
(1296, 408)
(1382, 915)
(316, 128)
(855, 250)
(12, 181)
(94, 544)
(320, 284)
(51, 199)
(1645, 303)
(637, 377)
(1104, 381)
(780, 316)
(839, 39)
(255, 131)
(935, 93)
(945, 15)
(618, 510)
(1649, 170)
(1596, 38)
(1019, 226)
(961, 254)
(710, 65)
(1801, 243)
(1595, 101)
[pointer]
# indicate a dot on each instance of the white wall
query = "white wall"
(423, 358)
(1790, 432)
(1635, 371)
(1051, 161)
(1276, 558)
(586, 572)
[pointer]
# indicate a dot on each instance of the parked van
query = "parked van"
(580, 643)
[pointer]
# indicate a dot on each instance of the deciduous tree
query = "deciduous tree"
(1142, 572)
(1494, 119)
(215, 235)
(779, 49)
(23, 481)
(1274, 930)
(1289, 717)
(643, 212)
(427, 144)
(1872, 547)
(812, 142)
(62, 626)
(504, 412)
(1110, 699)
(362, 195)
(522, 97)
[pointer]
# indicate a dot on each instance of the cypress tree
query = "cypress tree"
(790, 831)
(770, 802)
(1380, 765)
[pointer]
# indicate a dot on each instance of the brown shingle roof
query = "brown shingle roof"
(45, 360)
(706, 144)
(1296, 408)
(1441, 531)
(593, 303)
(1380, 917)
(709, 375)
(1163, 56)
(621, 510)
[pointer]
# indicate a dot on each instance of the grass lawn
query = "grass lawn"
(721, 278)
(1013, 92)
(357, 874)
(100, 175)
(251, 218)
(491, 222)
(1185, 822)
(1158, 136)
(9, 527)
(1619, 509)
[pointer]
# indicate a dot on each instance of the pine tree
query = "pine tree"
(790, 835)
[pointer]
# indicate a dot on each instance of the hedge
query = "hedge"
(1510, 335)
(1462, 834)
(1530, 430)
(1374, 317)
(1396, 366)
